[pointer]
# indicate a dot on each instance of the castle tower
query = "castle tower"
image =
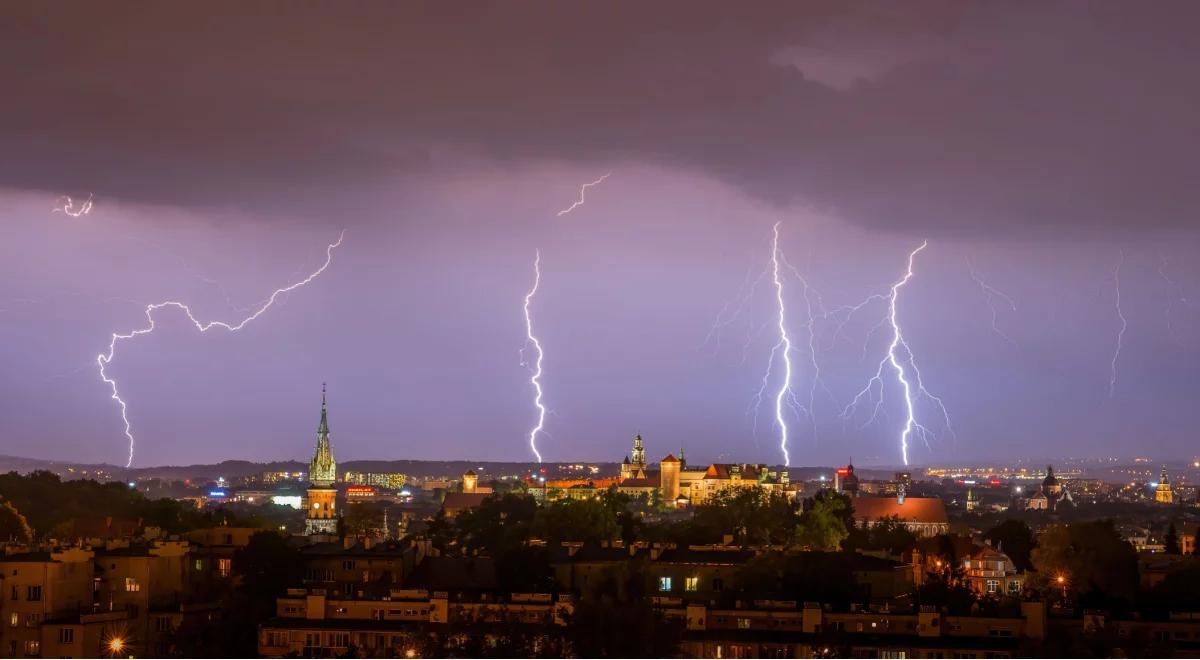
(669, 484)
(321, 502)
(972, 500)
(1162, 492)
(470, 481)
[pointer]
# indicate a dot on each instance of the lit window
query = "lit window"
(691, 584)
(14, 620)
(993, 586)
(224, 567)
(743, 624)
(32, 648)
(199, 564)
(316, 505)
(664, 584)
(131, 585)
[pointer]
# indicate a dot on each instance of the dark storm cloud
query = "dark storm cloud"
(935, 117)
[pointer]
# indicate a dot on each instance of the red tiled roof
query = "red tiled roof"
(459, 501)
(914, 509)
(670, 459)
(652, 480)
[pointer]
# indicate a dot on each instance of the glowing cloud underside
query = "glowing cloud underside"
(104, 359)
(582, 192)
(535, 378)
(900, 358)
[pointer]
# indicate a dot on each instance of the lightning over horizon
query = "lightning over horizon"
(912, 390)
(535, 378)
(781, 347)
(1112, 379)
(105, 359)
(582, 193)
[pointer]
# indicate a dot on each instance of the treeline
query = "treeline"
(40, 505)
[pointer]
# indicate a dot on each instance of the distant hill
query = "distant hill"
(233, 470)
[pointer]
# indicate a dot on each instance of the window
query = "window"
(224, 567)
(33, 592)
(66, 635)
(14, 620)
(743, 624)
(664, 584)
(16, 591)
(691, 584)
(199, 564)
(131, 585)
(162, 623)
(32, 648)
(277, 638)
(348, 565)
(993, 586)
(31, 620)
(339, 639)
(718, 584)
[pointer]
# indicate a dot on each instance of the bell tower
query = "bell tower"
(321, 502)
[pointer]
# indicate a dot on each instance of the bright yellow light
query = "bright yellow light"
(116, 645)
(1061, 579)
(410, 653)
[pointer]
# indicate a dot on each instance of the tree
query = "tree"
(362, 518)
(1172, 540)
(585, 520)
(889, 534)
(13, 526)
(1015, 539)
(823, 525)
(1092, 559)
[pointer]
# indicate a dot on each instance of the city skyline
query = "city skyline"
(647, 179)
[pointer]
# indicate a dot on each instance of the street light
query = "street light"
(116, 645)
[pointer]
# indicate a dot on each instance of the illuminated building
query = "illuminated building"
(972, 500)
(388, 480)
(845, 481)
(1162, 492)
(321, 503)
(361, 493)
(677, 485)
(634, 465)
(923, 516)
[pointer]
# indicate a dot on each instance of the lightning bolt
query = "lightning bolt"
(536, 373)
(990, 294)
(67, 205)
(1112, 379)
(1176, 293)
(104, 359)
(582, 192)
(782, 347)
(912, 390)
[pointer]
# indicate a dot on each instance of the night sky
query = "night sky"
(227, 144)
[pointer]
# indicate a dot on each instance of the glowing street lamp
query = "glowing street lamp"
(116, 645)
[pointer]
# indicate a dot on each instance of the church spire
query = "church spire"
(322, 470)
(323, 427)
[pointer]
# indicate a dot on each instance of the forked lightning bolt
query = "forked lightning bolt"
(912, 390)
(1112, 378)
(785, 346)
(104, 359)
(782, 347)
(67, 205)
(582, 192)
(535, 378)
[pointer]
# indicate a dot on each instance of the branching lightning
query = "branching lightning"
(582, 192)
(1177, 296)
(535, 378)
(1112, 379)
(914, 389)
(990, 295)
(104, 359)
(67, 205)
